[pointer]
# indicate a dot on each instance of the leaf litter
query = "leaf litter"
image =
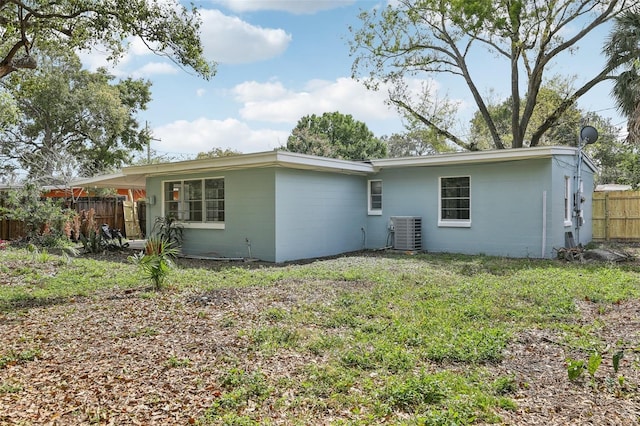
(120, 357)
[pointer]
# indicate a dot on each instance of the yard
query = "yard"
(370, 338)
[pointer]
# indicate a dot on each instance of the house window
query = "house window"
(375, 197)
(455, 201)
(195, 201)
(567, 201)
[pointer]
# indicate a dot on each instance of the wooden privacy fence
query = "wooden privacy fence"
(112, 211)
(616, 216)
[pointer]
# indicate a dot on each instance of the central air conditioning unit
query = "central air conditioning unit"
(407, 233)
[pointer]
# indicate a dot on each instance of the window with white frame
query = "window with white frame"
(375, 197)
(195, 200)
(454, 201)
(567, 201)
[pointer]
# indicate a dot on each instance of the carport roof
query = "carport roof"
(115, 180)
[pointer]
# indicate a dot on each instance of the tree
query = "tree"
(418, 140)
(42, 218)
(436, 37)
(335, 135)
(166, 27)
(217, 152)
(617, 159)
(8, 110)
(563, 131)
(70, 114)
(623, 52)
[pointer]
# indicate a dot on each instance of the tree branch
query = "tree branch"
(442, 132)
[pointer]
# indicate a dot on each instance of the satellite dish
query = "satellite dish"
(588, 135)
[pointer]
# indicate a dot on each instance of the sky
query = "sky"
(280, 60)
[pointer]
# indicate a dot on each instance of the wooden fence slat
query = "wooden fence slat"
(109, 211)
(616, 216)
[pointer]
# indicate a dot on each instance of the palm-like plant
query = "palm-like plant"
(156, 260)
(622, 50)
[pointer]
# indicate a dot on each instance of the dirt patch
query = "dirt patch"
(121, 357)
(537, 359)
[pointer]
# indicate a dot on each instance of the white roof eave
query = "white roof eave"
(256, 160)
(475, 157)
(114, 180)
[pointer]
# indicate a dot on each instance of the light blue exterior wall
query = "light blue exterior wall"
(289, 214)
(507, 200)
(249, 214)
(567, 166)
(318, 214)
(285, 214)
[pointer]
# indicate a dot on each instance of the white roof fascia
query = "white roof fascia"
(245, 161)
(474, 157)
(115, 180)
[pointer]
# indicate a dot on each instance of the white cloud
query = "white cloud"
(252, 91)
(271, 102)
(96, 58)
(155, 68)
(279, 108)
(298, 7)
(98, 55)
(138, 47)
(201, 92)
(202, 135)
(228, 39)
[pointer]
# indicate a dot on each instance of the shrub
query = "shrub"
(168, 229)
(41, 217)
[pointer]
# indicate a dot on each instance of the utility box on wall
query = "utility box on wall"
(407, 233)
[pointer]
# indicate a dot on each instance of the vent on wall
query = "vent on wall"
(407, 232)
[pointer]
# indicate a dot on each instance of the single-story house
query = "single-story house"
(279, 206)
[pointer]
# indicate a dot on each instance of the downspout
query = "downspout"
(544, 223)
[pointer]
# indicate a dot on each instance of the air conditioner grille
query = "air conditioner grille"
(407, 233)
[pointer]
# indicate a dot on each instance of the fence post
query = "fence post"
(606, 216)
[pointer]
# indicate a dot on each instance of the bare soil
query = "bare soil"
(117, 358)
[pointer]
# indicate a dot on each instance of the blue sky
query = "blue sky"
(279, 60)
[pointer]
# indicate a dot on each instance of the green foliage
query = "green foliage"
(575, 368)
(426, 39)
(595, 359)
(418, 140)
(156, 261)
(335, 135)
(175, 362)
(166, 27)
(9, 112)
(169, 229)
(7, 387)
(92, 243)
(622, 53)
(375, 339)
(417, 390)
(617, 159)
(617, 357)
(13, 357)
(217, 153)
(74, 122)
(45, 221)
(240, 389)
(549, 98)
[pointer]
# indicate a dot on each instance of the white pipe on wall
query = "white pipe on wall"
(544, 223)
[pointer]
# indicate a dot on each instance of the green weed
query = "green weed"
(175, 362)
(7, 387)
(14, 357)
(240, 389)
